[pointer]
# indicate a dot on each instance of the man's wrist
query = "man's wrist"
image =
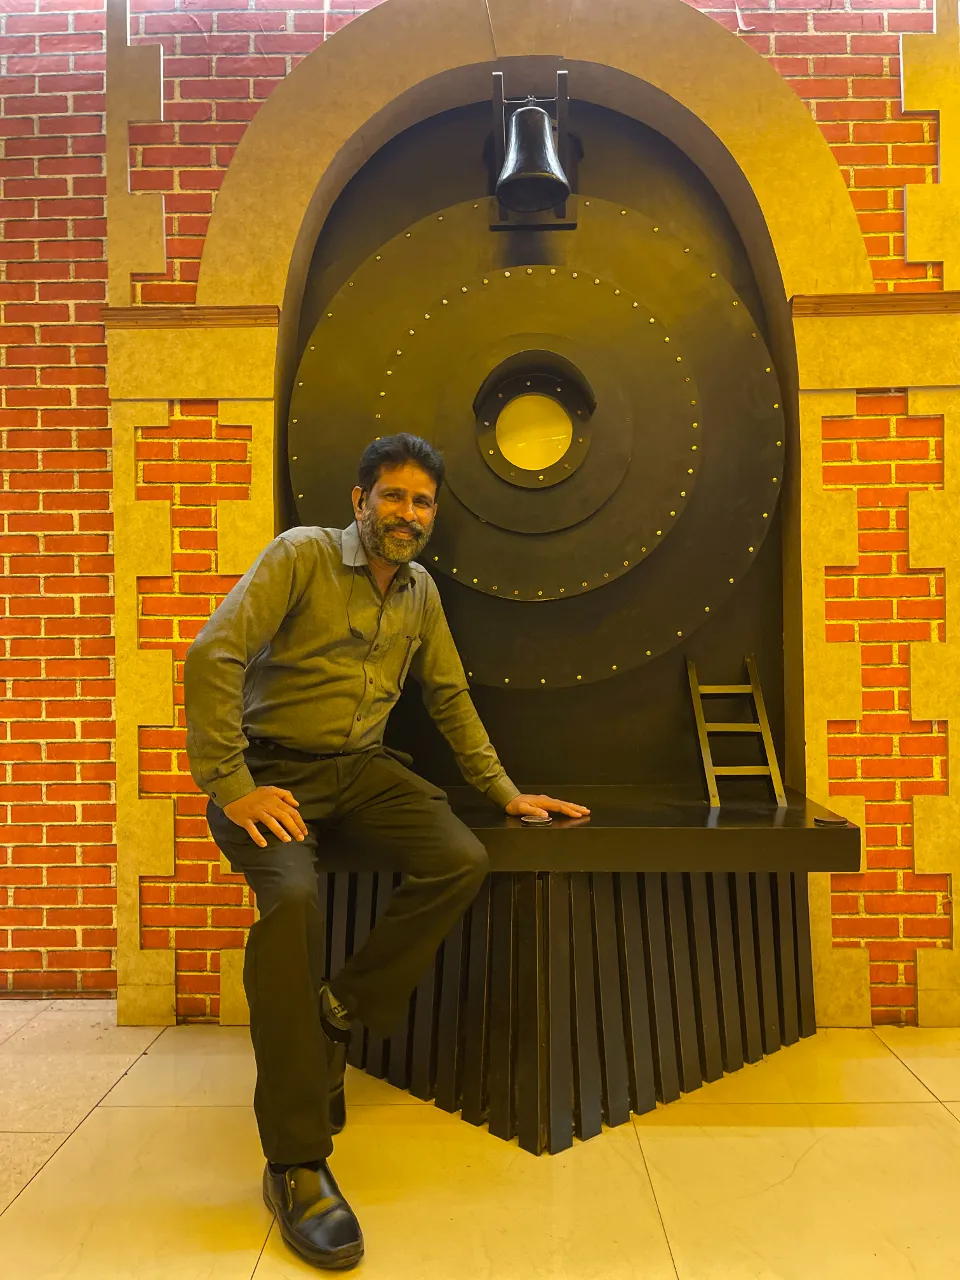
(502, 792)
(234, 787)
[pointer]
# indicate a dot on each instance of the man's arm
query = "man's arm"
(446, 695)
(247, 619)
(438, 669)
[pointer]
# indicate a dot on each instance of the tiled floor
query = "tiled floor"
(131, 1154)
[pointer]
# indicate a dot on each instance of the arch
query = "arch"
(662, 62)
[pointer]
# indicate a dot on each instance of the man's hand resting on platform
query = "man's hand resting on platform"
(274, 807)
(541, 806)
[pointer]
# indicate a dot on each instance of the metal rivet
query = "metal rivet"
(408, 235)
(583, 584)
(689, 471)
(736, 304)
(686, 251)
(329, 315)
(506, 679)
(587, 203)
(474, 579)
(410, 331)
(383, 393)
(596, 282)
(506, 273)
(294, 458)
(376, 415)
(776, 406)
(299, 384)
(764, 515)
(539, 477)
(713, 275)
(729, 579)
(579, 677)
(562, 589)
(299, 495)
(553, 271)
(529, 271)
(439, 217)
(389, 373)
(673, 513)
(378, 257)
(574, 274)
(485, 280)
(679, 633)
(444, 301)
(683, 493)
(516, 593)
(666, 339)
(706, 608)
(490, 451)
(579, 438)
(767, 370)
(749, 548)
(652, 321)
(656, 228)
(436, 557)
(539, 593)
(542, 681)
(659, 533)
(453, 571)
(693, 446)
(614, 667)
(774, 479)
(692, 401)
(426, 315)
(622, 214)
(313, 348)
(494, 587)
(695, 424)
(470, 673)
(679, 358)
(463, 288)
(648, 653)
(606, 575)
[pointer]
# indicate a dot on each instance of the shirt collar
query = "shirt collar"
(353, 553)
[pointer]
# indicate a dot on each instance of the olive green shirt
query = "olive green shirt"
(278, 659)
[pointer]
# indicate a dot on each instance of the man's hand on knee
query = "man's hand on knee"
(275, 807)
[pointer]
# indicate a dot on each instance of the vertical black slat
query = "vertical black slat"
(531, 1016)
(586, 1050)
(451, 1019)
(361, 931)
(424, 1033)
(766, 961)
(338, 935)
(398, 1066)
(704, 976)
(377, 1046)
(666, 1069)
(613, 1060)
(681, 975)
(725, 967)
(748, 992)
(636, 1009)
(503, 982)
(801, 937)
(559, 1020)
(786, 959)
(476, 1017)
(323, 894)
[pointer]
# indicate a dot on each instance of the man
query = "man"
(288, 688)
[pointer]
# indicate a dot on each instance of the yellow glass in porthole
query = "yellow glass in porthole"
(534, 431)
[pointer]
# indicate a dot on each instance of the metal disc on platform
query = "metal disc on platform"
(609, 417)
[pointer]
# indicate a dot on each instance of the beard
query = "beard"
(378, 537)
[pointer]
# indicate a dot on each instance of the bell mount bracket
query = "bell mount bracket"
(562, 217)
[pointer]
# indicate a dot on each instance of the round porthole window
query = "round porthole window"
(534, 431)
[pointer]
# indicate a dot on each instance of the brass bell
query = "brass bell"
(532, 178)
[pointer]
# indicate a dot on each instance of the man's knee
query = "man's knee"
(472, 860)
(289, 891)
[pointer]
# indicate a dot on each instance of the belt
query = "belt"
(279, 752)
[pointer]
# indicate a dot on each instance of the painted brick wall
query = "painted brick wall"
(57, 879)
(194, 462)
(883, 605)
(222, 59)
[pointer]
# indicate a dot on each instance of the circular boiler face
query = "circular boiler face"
(622, 537)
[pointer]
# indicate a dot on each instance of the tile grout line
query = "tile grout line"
(653, 1192)
(80, 1122)
(906, 1066)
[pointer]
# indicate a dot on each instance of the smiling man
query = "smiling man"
(288, 688)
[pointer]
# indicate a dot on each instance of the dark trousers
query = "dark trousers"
(367, 801)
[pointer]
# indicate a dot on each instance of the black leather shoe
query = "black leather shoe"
(336, 1069)
(314, 1219)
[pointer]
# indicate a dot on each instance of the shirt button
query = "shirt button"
(358, 719)
(369, 682)
(375, 648)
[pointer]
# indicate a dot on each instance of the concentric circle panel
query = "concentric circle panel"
(663, 490)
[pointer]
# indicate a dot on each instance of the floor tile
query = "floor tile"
(15, 1013)
(153, 1193)
(790, 1192)
(204, 1066)
(931, 1053)
(835, 1065)
(21, 1155)
(438, 1198)
(58, 1066)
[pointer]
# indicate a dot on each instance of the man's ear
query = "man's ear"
(358, 495)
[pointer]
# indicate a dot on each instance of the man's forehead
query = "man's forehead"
(407, 476)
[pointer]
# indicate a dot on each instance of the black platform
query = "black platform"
(605, 964)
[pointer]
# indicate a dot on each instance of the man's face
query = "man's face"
(396, 517)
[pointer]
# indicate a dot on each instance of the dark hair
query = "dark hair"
(394, 451)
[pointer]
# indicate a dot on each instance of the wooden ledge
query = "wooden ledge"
(875, 304)
(190, 317)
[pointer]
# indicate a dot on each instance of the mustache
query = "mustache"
(417, 530)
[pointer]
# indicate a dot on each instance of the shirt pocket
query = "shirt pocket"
(408, 647)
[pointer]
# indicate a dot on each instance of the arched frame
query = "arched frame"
(666, 65)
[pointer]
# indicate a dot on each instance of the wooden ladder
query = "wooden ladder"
(705, 727)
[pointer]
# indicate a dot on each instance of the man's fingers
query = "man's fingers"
(254, 834)
(270, 821)
(285, 795)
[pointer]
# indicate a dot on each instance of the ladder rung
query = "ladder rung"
(726, 688)
(742, 771)
(735, 727)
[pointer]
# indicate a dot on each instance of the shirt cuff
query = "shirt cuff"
(225, 790)
(502, 792)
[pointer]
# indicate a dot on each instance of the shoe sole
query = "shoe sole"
(324, 1260)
